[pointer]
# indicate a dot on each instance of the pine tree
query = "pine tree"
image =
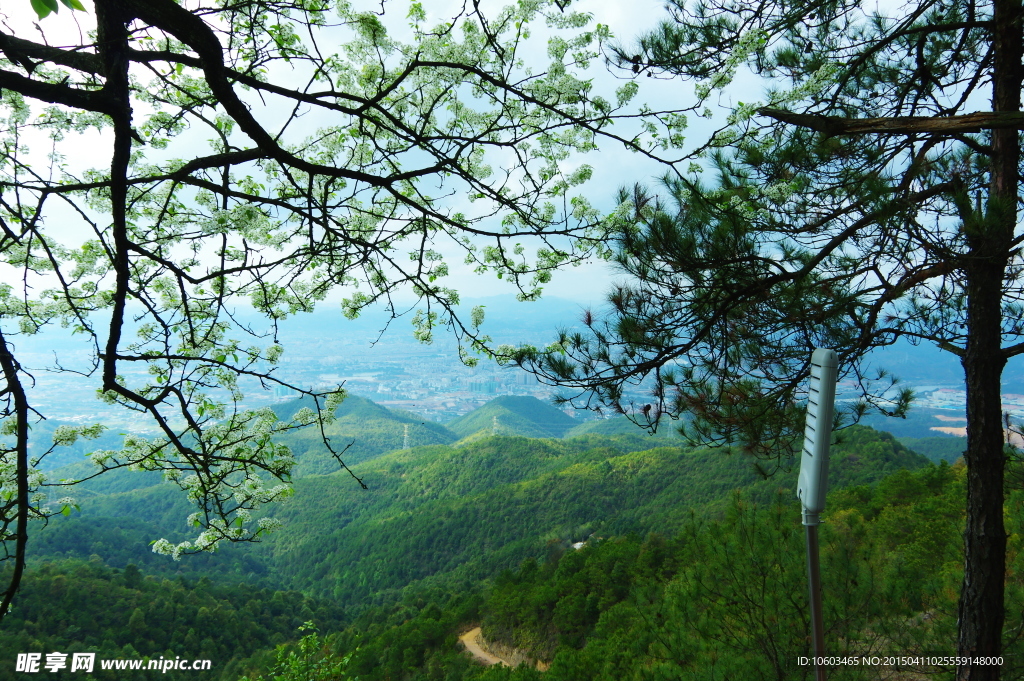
(864, 200)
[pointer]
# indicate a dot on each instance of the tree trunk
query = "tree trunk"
(981, 608)
(16, 392)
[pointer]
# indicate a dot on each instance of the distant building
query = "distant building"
(282, 392)
(486, 386)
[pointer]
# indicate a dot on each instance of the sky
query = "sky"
(613, 166)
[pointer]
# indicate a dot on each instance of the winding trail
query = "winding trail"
(471, 639)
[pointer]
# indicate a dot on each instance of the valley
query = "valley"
(561, 540)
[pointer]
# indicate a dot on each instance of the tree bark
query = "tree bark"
(113, 40)
(16, 392)
(981, 608)
(950, 125)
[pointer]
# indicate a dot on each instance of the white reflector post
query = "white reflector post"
(813, 483)
(821, 398)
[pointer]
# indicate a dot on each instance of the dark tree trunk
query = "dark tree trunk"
(981, 608)
(111, 22)
(981, 598)
(16, 393)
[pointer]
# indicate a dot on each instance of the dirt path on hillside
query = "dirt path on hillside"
(471, 639)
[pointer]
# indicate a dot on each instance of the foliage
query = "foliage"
(311, 662)
(43, 8)
(77, 606)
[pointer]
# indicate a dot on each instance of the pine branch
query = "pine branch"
(834, 126)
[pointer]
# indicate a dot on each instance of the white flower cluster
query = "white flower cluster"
(269, 524)
(166, 548)
(273, 353)
(747, 44)
(814, 85)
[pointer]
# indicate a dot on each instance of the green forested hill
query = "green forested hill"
(514, 415)
(620, 425)
(366, 428)
(946, 448)
(439, 522)
(84, 606)
(470, 509)
(724, 597)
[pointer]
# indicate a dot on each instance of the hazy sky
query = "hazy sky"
(613, 166)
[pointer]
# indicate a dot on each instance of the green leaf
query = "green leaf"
(44, 7)
(73, 4)
(66, 511)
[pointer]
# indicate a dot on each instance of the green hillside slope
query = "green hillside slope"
(475, 508)
(514, 415)
(946, 448)
(472, 510)
(620, 425)
(439, 521)
(366, 428)
(723, 598)
(85, 606)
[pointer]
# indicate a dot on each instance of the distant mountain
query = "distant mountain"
(620, 425)
(365, 427)
(514, 415)
(460, 514)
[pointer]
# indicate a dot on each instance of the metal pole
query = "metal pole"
(813, 481)
(814, 581)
